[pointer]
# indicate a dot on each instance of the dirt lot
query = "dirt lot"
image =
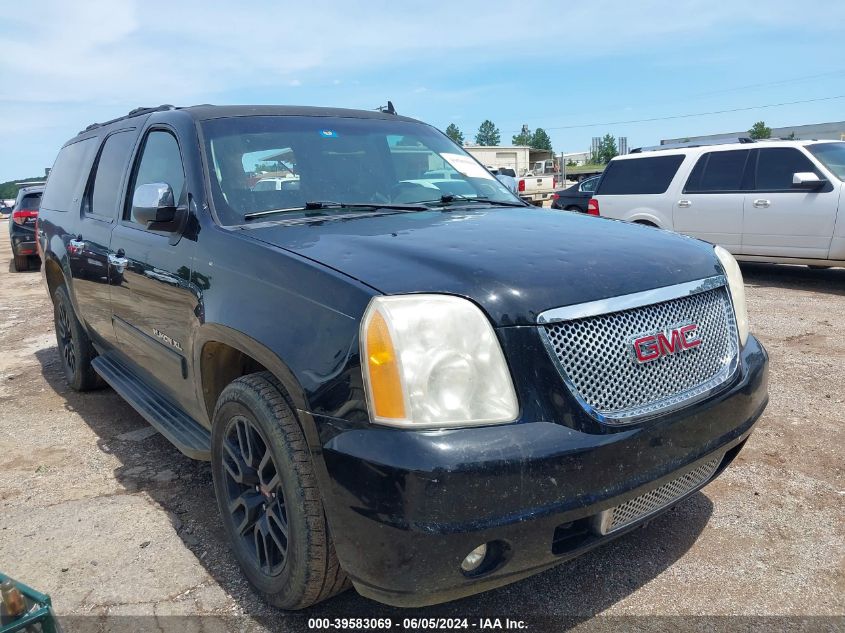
(102, 513)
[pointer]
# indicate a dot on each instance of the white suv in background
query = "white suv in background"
(772, 201)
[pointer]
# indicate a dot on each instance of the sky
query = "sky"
(576, 69)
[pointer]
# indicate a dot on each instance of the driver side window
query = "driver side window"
(160, 161)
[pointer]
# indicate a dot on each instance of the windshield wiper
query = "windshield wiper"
(317, 205)
(452, 197)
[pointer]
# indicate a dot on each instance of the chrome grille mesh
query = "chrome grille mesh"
(648, 503)
(595, 355)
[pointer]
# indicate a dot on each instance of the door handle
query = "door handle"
(684, 204)
(762, 203)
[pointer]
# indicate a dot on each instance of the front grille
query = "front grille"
(637, 508)
(595, 356)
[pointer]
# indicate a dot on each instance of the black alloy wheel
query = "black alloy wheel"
(256, 499)
(64, 334)
(266, 489)
(75, 349)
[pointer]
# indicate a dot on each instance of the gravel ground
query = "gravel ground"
(102, 513)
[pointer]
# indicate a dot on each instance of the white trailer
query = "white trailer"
(516, 157)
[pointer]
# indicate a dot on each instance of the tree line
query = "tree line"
(9, 189)
(488, 134)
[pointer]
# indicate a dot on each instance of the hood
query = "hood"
(514, 262)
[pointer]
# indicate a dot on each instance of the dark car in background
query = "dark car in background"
(22, 227)
(576, 197)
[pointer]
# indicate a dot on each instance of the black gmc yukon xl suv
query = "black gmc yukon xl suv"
(414, 383)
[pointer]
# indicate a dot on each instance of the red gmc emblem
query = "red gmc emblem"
(648, 347)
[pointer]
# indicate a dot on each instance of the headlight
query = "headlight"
(737, 288)
(433, 361)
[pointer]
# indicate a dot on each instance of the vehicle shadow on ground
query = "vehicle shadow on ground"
(575, 590)
(828, 280)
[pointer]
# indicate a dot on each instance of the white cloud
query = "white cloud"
(94, 59)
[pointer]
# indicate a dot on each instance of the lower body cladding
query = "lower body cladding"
(407, 508)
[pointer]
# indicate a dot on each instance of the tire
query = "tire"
(574, 208)
(817, 267)
(75, 349)
(21, 263)
(645, 223)
(267, 494)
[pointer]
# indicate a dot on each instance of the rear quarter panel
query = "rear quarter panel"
(655, 208)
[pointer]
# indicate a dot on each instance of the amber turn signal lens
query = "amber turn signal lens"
(385, 384)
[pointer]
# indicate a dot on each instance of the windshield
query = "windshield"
(831, 155)
(264, 163)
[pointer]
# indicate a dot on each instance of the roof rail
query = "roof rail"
(685, 144)
(132, 113)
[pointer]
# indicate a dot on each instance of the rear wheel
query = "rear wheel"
(75, 348)
(572, 207)
(267, 494)
(21, 263)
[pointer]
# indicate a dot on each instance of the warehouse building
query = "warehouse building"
(828, 131)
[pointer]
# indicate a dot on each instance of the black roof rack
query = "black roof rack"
(132, 113)
(686, 144)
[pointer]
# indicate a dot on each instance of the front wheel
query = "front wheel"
(268, 498)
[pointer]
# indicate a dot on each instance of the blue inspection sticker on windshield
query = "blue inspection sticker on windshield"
(328, 133)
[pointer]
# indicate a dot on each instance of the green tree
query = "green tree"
(454, 133)
(523, 138)
(606, 150)
(541, 140)
(10, 188)
(488, 134)
(759, 130)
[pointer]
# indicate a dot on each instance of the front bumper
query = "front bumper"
(405, 507)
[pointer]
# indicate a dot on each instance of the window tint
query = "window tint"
(31, 201)
(160, 162)
(589, 185)
(718, 171)
(831, 155)
(639, 175)
(776, 165)
(66, 173)
(102, 199)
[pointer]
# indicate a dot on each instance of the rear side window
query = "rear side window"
(639, 175)
(776, 165)
(589, 185)
(718, 172)
(66, 174)
(102, 197)
(31, 201)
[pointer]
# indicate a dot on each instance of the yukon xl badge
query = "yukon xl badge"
(167, 339)
(654, 345)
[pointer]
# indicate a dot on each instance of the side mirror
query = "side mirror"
(807, 180)
(153, 206)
